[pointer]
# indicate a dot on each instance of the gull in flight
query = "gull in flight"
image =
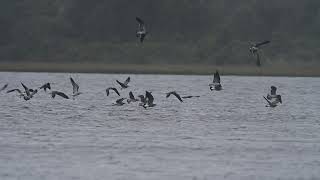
(131, 98)
(119, 102)
(141, 32)
(124, 84)
(175, 94)
(254, 49)
(27, 94)
(149, 100)
(54, 93)
(75, 87)
(112, 88)
(45, 87)
(215, 85)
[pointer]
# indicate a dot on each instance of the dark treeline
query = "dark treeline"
(181, 31)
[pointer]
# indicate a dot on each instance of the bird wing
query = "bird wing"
(216, 77)
(149, 97)
(131, 96)
(267, 101)
(26, 89)
(115, 90)
(168, 94)
(74, 85)
(262, 43)
(4, 87)
(273, 90)
(140, 21)
(121, 84)
(18, 90)
(127, 81)
(60, 94)
(178, 96)
(119, 100)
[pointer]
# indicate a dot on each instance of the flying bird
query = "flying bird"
(141, 32)
(131, 98)
(75, 88)
(29, 93)
(112, 88)
(254, 49)
(54, 93)
(119, 102)
(45, 87)
(149, 100)
(124, 84)
(4, 87)
(175, 94)
(215, 85)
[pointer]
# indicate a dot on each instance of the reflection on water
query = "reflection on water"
(228, 134)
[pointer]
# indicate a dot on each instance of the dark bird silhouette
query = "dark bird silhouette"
(4, 87)
(254, 49)
(131, 98)
(54, 93)
(75, 88)
(124, 84)
(112, 88)
(46, 86)
(149, 100)
(119, 102)
(273, 93)
(275, 102)
(175, 94)
(187, 97)
(17, 90)
(141, 32)
(216, 85)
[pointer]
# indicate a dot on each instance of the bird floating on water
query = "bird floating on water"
(141, 32)
(254, 49)
(273, 98)
(216, 85)
(124, 84)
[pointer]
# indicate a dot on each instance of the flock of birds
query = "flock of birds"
(254, 48)
(146, 101)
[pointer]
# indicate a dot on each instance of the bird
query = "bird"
(124, 84)
(254, 49)
(275, 102)
(273, 93)
(143, 100)
(175, 94)
(187, 97)
(149, 100)
(29, 93)
(54, 93)
(112, 88)
(215, 85)
(141, 32)
(119, 102)
(4, 87)
(131, 98)
(45, 87)
(75, 87)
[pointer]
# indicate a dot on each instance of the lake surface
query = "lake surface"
(221, 135)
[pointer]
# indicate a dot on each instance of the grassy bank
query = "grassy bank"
(275, 70)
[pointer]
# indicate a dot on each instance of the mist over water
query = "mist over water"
(228, 134)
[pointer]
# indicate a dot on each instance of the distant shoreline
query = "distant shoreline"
(188, 69)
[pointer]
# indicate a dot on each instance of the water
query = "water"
(221, 135)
